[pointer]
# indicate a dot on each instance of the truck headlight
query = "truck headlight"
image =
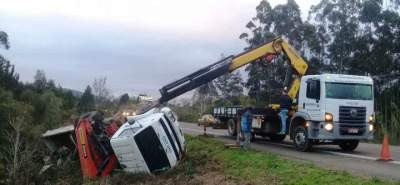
(328, 117)
(371, 118)
(328, 127)
(370, 127)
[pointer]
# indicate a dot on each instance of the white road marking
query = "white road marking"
(350, 155)
(281, 144)
(360, 157)
(395, 162)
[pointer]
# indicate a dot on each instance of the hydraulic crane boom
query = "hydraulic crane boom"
(231, 63)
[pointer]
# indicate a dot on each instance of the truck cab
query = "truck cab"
(333, 108)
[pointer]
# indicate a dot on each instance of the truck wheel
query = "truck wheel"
(277, 137)
(349, 145)
(301, 140)
(232, 128)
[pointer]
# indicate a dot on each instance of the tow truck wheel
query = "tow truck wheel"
(301, 140)
(348, 145)
(277, 137)
(231, 128)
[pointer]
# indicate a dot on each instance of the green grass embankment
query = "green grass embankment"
(263, 168)
(208, 162)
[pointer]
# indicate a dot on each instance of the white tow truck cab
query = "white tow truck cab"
(333, 108)
(150, 142)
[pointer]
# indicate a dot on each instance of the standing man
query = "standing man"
(245, 125)
(285, 103)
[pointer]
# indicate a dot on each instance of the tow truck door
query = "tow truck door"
(310, 102)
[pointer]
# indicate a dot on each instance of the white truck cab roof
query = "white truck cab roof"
(340, 78)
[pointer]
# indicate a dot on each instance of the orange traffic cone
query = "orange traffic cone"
(385, 152)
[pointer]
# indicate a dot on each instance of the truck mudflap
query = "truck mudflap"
(93, 143)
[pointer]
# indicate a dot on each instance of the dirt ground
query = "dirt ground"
(209, 174)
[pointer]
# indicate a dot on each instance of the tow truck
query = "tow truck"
(329, 109)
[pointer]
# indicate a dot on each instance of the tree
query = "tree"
(363, 35)
(4, 40)
(16, 118)
(40, 81)
(205, 95)
(87, 102)
(101, 92)
(230, 86)
(12, 152)
(47, 109)
(8, 77)
(124, 100)
(69, 100)
(6, 107)
(283, 20)
(350, 27)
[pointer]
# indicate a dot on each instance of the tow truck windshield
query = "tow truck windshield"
(348, 91)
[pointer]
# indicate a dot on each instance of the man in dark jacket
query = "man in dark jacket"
(285, 103)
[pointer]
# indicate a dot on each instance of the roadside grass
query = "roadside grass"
(257, 167)
(208, 162)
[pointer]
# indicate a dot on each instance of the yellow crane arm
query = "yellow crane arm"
(231, 63)
(275, 47)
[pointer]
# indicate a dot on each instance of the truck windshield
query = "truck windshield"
(348, 91)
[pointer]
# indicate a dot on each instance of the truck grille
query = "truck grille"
(352, 115)
(351, 119)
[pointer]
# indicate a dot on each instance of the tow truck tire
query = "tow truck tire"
(300, 139)
(231, 127)
(277, 137)
(348, 145)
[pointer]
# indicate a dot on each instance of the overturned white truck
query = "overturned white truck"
(150, 142)
(147, 143)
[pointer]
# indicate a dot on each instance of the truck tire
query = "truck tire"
(231, 127)
(348, 145)
(277, 137)
(300, 139)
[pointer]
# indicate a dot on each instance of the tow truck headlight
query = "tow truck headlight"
(370, 127)
(371, 118)
(328, 127)
(328, 117)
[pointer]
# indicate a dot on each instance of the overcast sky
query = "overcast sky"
(139, 45)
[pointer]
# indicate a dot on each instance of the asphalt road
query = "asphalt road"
(362, 161)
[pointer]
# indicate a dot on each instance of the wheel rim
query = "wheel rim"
(300, 138)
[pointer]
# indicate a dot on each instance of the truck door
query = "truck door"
(312, 101)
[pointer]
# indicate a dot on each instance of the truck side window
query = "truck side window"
(313, 89)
